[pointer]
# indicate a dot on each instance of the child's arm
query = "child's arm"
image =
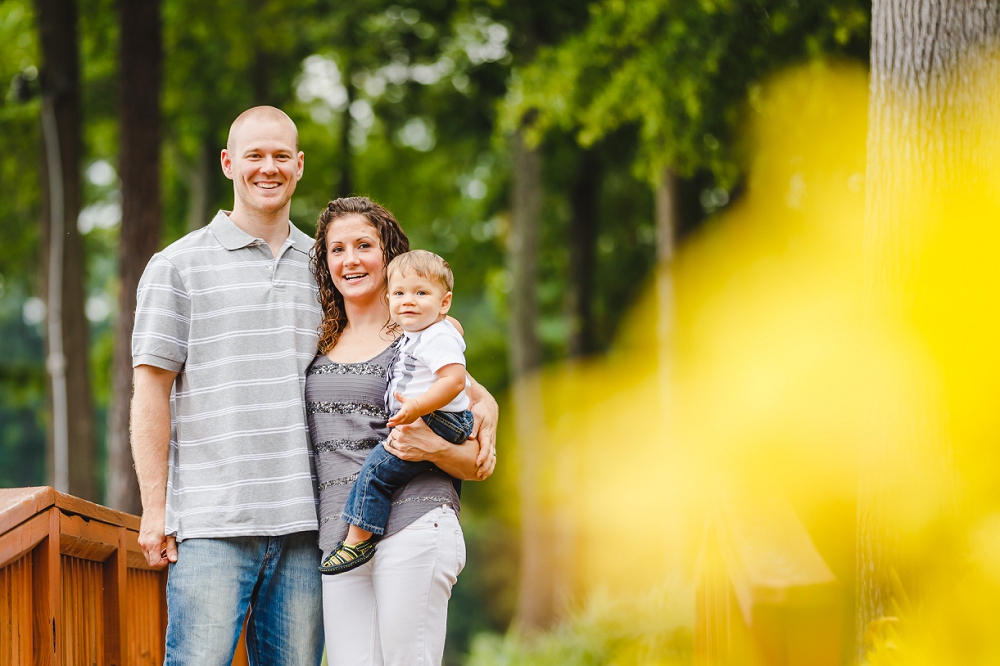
(450, 382)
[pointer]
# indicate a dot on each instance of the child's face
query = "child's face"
(416, 302)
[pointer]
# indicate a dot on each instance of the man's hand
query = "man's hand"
(159, 550)
(408, 412)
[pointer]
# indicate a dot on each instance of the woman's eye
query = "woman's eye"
(335, 250)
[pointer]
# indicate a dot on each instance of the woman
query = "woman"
(393, 609)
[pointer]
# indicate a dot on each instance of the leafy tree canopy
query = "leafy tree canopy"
(681, 71)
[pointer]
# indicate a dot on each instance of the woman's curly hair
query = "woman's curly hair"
(390, 235)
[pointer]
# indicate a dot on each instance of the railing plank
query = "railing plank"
(765, 596)
(86, 592)
(48, 595)
(70, 504)
(15, 544)
(147, 622)
(87, 539)
(115, 584)
(83, 622)
(16, 629)
(19, 504)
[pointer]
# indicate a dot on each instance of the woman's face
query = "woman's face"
(354, 256)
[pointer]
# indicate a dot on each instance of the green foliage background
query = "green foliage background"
(438, 84)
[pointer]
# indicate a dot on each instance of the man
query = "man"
(225, 329)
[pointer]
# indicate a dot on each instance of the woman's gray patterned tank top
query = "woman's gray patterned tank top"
(345, 405)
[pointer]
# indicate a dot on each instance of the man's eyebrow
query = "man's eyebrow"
(258, 149)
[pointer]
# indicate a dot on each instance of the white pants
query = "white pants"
(393, 610)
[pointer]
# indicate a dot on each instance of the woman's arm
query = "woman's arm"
(486, 414)
(417, 442)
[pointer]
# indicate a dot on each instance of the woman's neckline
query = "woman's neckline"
(367, 360)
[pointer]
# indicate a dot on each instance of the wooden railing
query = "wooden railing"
(75, 587)
(765, 597)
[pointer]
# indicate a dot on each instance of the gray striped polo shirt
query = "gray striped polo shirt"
(240, 328)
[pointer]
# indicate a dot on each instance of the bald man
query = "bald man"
(225, 329)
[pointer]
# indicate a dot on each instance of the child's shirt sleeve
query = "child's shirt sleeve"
(442, 345)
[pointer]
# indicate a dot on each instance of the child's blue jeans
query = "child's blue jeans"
(383, 473)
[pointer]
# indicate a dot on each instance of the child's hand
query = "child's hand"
(408, 413)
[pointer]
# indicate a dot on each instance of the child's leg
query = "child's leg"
(367, 508)
(370, 498)
(454, 427)
(356, 535)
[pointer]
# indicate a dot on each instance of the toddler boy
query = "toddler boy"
(427, 380)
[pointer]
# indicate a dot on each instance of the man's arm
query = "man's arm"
(150, 445)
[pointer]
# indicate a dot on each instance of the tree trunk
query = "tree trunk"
(140, 63)
(536, 597)
(73, 455)
(584, 204)
(200, 185)
(346, 185)
(665, 209)
(666, 231)
(922, 99)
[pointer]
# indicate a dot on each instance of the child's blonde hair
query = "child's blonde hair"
(425, 264)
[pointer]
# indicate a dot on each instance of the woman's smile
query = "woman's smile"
(354, 257)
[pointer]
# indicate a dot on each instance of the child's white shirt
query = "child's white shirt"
(421, 354)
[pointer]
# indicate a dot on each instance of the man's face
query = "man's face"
(263, 165)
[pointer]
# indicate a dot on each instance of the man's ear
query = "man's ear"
(446, 303)
(302, 163)
(227, 164)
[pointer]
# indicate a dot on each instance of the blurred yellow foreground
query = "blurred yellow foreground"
(803, 344)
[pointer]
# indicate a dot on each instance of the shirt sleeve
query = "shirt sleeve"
(162, 317)
(441, 347)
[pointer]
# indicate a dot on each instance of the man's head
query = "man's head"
(263, 160)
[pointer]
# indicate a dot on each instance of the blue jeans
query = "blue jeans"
(215, 581)
(382, 474)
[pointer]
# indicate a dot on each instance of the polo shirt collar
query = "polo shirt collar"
(228, 234)
(299, 240)
(232, 237)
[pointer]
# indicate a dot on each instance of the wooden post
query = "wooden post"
(49, 596)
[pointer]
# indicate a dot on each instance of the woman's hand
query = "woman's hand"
(415, 442)
(473, 460)
(485, 414)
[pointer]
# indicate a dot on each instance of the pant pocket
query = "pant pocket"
(460, 547)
